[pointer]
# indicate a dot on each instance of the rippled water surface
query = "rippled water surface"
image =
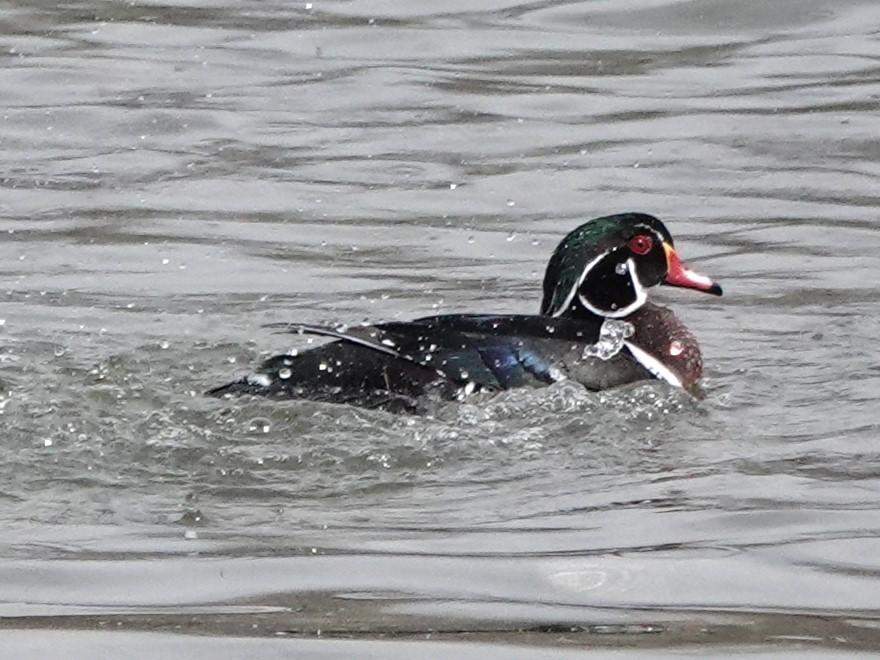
(173, 176)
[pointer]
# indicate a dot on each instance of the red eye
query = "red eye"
(640, 244)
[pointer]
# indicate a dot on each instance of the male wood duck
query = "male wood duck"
(596, 327)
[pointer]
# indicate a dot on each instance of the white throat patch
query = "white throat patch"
(640, 291)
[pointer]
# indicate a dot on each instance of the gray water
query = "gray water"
(173, 176)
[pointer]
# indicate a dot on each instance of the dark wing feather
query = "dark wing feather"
(393, 365)
(491, 351)
(343, 372)
(452, 356)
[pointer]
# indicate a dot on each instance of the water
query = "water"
(612, 336)
(176, 175)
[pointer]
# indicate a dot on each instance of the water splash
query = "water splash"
(611, 339)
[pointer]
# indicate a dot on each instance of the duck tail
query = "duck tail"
(236, 387)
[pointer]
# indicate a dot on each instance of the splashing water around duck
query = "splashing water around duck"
(612, 336)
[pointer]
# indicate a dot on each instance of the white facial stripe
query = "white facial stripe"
(651, 230)
(641, 292)
(577, 285)
(653, 365)
(641, 296)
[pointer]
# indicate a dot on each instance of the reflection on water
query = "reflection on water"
(175, 176)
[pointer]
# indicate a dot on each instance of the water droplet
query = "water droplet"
(676, 348)
(470, 239)
(259, 425)
(164, 345)
(511, 236)
(59, 351)
(466, 390)
(284, 373)
(621, 268)
(611, 339)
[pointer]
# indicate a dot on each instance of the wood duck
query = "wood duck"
(596, 327)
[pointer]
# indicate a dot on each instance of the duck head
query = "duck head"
(606, 266)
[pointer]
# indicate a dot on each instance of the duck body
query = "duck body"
(398, 366)
(596, 327)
